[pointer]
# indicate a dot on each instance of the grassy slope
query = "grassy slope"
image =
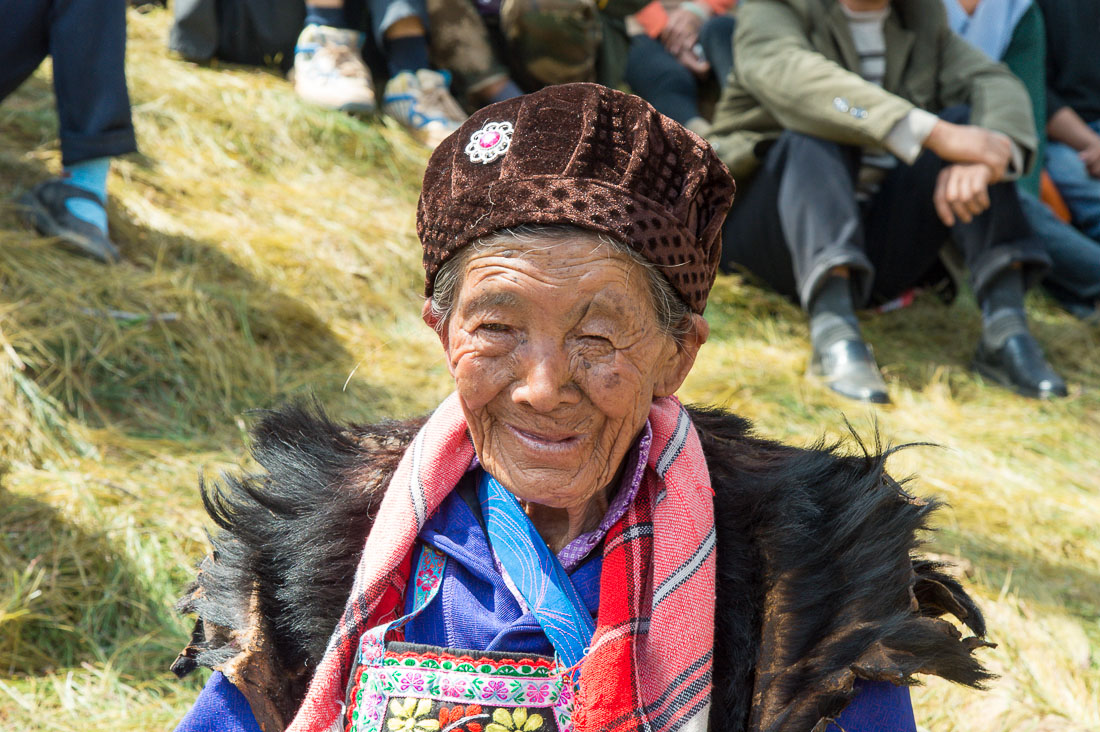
(278, 241)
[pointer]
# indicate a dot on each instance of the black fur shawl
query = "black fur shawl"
(816, 583)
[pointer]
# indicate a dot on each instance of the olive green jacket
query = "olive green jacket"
(796, 68)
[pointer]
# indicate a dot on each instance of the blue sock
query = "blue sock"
(91, 176)
(333, 17)
(406, 54)
(509, 91)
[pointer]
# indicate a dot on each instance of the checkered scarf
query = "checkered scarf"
(649, 667)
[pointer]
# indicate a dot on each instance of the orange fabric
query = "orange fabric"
(1048, 194)
(654, 17)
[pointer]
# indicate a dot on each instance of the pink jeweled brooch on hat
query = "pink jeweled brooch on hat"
(490, 142)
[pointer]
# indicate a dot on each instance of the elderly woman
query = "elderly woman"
(562, 545)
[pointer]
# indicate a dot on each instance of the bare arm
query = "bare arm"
(1066, 126)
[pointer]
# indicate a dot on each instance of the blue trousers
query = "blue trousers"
(1074, 277)
(1080, 190)
(87, 41)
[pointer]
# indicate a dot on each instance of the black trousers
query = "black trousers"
(798, 217)
(87, 40)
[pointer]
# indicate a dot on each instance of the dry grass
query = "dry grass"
(270, 251)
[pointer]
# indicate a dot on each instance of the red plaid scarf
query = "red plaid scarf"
(649, 668)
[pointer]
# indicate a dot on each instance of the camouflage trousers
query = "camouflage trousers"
(535, 42)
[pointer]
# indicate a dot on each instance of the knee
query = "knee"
(650, 66)
(718, 29)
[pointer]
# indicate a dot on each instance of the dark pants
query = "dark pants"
(798, 218)
(655, 75)
(87, 40)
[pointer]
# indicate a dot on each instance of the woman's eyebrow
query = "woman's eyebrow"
(491, 300)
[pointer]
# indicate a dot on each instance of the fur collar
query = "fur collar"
(815, 587)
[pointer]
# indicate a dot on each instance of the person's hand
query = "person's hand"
(1090, 156)
(962, 192)
(693, 63)
(971, 144)
(681, 32)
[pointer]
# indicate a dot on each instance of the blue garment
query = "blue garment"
(1074, 278)
(219, 708)
(87, 41)
(534, 574)
(991, 26)
(879, 706)
(474, 609)
(1080, 190)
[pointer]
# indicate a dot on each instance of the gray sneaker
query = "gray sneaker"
(422, 103)
(329, 70)
(44, 209)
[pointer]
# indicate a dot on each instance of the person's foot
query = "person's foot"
(848, 368)
(1019, 364)
(45, 208)
(329, 70)
(423, 104)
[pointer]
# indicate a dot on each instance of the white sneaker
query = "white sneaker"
(423, 103)
(329, 70)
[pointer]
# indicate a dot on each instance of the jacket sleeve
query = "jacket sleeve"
(802, 89)
(997, 99)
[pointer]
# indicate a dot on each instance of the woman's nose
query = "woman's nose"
(546, 381)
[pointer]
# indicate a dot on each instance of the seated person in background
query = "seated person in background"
(852, 183)
(329, 68)
(499, 49)
(1011, 31)
(1073, 107)
(87, 41)
(674, 44)
(562, 545)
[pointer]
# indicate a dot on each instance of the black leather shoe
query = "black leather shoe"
(44, 209)
(1019, 364)
(849, 369)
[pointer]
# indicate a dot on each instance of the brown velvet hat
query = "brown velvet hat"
(582, 155)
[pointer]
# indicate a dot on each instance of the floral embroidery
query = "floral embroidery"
(496, 688)
(517, 721)
(407, 715)
(413, 681)
(429, 573)
(537, 693)
(461, 719)
(452, 686)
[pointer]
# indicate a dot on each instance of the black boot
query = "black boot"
(1007, 352)
(840, 357)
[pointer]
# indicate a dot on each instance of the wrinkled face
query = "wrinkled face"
(557, 355)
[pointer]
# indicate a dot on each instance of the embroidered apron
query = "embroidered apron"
(405, 687)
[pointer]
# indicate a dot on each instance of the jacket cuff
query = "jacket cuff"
(1015, 167)
(906, 138)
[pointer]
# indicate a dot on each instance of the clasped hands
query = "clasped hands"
(978, 158)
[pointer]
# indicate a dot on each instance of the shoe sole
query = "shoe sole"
(1002, 379)
(36, 215)
(819, 380)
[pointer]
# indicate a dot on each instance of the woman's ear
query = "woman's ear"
(432, 319)
(678, 364)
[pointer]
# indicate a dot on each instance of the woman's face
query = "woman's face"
(556, 354)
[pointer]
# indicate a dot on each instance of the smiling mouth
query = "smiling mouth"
(547, 442)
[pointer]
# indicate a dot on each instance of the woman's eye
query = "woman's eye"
(597, 340)
(493, 327)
